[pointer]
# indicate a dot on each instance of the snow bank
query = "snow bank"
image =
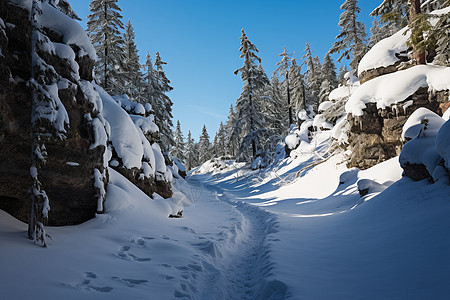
(384, 53)
(124, 136)
(71, 31)
(396, 87)
(429, 145)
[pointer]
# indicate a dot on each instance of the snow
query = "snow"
(393, 88)
(146, 124)
(442, 143)
(71, 31)
(325, 105)
(423, 126)
(383, 53)
(124, 137)
(419, 119)
(292, 140)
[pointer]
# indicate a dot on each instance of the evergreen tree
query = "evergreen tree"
(64, 6)
(441, 34)
(231, 140)
(204, 146)
(191, 153)
(341, 77)
(329, 80)
(377, 33)
(132, 78)
(179, 148)
(394, 15)
(350, 40)
(312, 78)
(298, 90)
(276, 118)
(103, 25)
(249, 124)
(283, 71)
(219, 144)
(161, 103)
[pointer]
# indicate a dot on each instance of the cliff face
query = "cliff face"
(75, 174)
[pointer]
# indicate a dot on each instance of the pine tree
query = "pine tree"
(219, 144)
(441, 34)
(249, 124)
(341, 77)
(103, 25)
(351, 39)
(312, 78)
(231, 141)
(64, 6)
(161, 103)
(179, 148)
(191, 153)
(204, 146)
(329, 80)
(394, 15)
(131, 76)
(283, 71)
(277, 119)
(298, 90)
(377, 33)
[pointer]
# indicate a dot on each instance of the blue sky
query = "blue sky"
(199, 40)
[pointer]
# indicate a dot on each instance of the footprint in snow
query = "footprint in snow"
(130, 282)
(88, 285)
(124, 254)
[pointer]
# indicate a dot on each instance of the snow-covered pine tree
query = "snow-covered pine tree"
(351, 40)
(219, 144)
(204, 146)
(312, 78)
(103, 25)
(179, 148)
(191, 153)
(298, 90)
(161, 103)
(341, 76)
(276, 118)
(377, 32)
(64, 6)
(394, 15)
(49, 118)
(249, 124)
(131, 76)
(231, 141)
(441, 34)
(329, 80)
(283, 68)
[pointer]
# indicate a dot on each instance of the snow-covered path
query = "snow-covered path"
(245, 270)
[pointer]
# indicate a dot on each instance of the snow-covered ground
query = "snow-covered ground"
(298, 230)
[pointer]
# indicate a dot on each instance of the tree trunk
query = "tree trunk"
(289, 100)
(414, 12)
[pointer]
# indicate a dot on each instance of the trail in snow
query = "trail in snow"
(245, 271)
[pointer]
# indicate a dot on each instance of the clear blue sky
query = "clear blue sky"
(199, 40)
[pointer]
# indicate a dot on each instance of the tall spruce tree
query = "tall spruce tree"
(394, 15)
(249, 124)
(191, 153)
(377, 33)
(204, 146)
(179, 149)
(298, 90)
(283, 68)
(351, 40)
(132, 81)
(231, 140)
(312, 78)
(103, 25)
(219, 144)
(329, 80)
(441, 34)
(64, 6)
(161, 103)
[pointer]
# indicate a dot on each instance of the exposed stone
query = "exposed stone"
(376, 135)
(416, 171)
